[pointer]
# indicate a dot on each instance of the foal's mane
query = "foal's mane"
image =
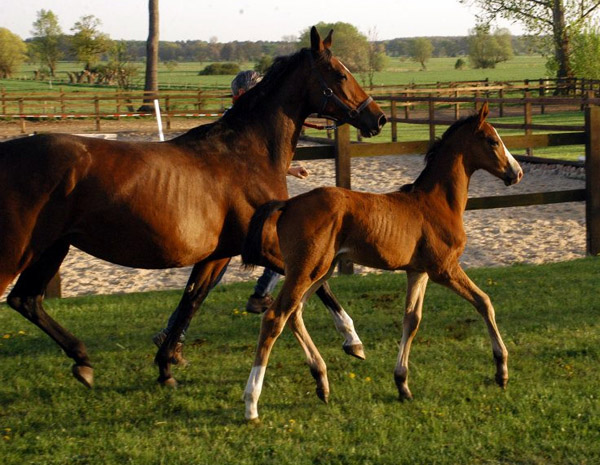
(440, 141)
(435, 149)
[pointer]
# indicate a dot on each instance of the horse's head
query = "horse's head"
(488, 152)
(336, 94)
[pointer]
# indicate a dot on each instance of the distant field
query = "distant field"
(398, 71)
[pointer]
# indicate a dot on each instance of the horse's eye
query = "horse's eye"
(340, 76)
(493, 142)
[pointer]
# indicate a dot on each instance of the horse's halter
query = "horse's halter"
(328, 94)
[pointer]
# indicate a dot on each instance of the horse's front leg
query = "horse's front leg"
(416, 286)
(343, 323)
(203, 278)
(459, 282)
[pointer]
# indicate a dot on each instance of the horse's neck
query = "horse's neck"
(447, 177)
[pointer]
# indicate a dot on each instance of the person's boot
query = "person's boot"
(178, 358)
(258, 303)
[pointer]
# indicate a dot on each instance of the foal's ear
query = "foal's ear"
(315, 40)
(483, 112)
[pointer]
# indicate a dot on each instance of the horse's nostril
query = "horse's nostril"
(382, 120)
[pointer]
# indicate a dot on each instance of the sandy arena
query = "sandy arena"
(498, 237)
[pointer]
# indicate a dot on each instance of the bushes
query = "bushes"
(220, 69)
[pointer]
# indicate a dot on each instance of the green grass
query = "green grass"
(550, 414)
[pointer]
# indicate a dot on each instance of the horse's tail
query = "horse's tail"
(252, 248)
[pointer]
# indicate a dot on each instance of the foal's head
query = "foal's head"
(336, 94)
(487, 151)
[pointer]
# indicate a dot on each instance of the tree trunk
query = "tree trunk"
(561, 40)
(151, 83)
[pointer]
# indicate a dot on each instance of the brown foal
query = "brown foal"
(418, 229)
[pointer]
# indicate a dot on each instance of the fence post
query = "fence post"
(168, 111)
(53, 289)
(394, 115)
(456, 106)
(542, 95)
(22, 114)
(343, 175)
(3, 101)
(527, 109)
(97, 112)
(592, 179)
(431, 119)
(501, 105)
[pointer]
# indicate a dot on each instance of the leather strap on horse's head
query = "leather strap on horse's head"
(328, 94)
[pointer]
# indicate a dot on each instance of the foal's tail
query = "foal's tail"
(252, 248)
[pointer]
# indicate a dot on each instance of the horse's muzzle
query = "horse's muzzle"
(376, 129)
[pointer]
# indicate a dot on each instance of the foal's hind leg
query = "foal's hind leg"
(417, 283)
(26, 297)
(460, 283)
(343, 323)
(317, 366)
(203, 278)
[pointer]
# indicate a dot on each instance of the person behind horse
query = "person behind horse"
(261, 299)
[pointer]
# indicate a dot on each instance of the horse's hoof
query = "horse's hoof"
(169, 382)
(323, 395)
(356, 350)
(84, 374)
(253, 421)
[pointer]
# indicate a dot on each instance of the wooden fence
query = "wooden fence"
(343, 150)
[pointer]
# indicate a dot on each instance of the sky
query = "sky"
(252, 20)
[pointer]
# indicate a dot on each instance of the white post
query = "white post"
(161, 136)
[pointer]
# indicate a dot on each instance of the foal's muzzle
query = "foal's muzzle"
(512, 176)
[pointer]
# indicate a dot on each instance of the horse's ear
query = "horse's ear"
(483, 112)
(328, 40)
(315, 40)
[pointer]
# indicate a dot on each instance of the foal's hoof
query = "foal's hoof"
(322, 394)
(502, 381)
(356, 350)
(404, 394)
(84, 374)
(169, 382)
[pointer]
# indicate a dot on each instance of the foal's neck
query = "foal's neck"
(447, 175)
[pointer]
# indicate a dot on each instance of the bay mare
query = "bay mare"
(187, 201)
(418, 229)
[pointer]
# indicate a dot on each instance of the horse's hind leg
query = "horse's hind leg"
(203, 278)
(26, 297)
(417, 283)
(460, 283)
(343, 323)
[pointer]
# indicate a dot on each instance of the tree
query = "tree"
(558, 19)
(421, 51)
(585, 58)
(151, 81)
(12, 52)
(349, 45)
(46, 37)
(88, 43)
(376, 58)
(486, 50)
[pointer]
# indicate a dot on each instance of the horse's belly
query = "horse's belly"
(145, 249)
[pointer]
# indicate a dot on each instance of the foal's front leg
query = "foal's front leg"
(459, 282)
(416, 285)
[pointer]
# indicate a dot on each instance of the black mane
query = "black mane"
(280, 68)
